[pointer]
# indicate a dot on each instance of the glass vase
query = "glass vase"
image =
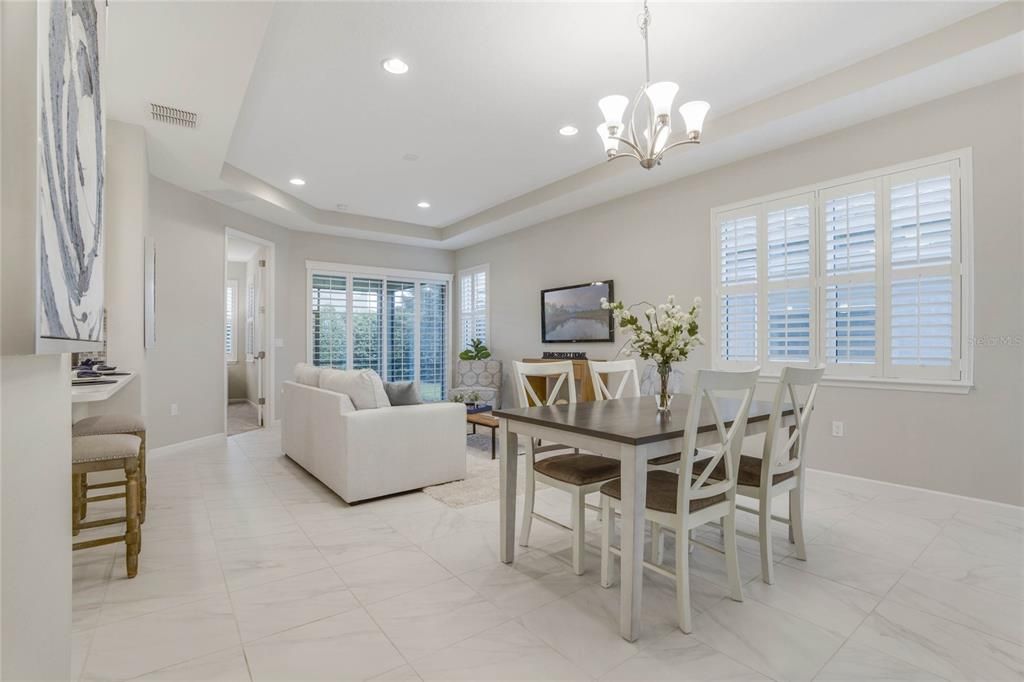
(664, 398)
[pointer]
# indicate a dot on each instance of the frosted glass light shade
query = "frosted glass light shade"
(661, 96)
(613, 107)
(610, 144)
(693, 114)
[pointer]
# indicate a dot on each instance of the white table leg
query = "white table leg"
(507, 486)
(634, 502)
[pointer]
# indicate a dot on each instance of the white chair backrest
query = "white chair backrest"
(623, 379)
(790, 455)
(707, 387)
(561, 372)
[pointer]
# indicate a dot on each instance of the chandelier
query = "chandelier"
(649, 146)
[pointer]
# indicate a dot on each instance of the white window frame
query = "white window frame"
(471, 272)
(232, 286)
(418, 277)
(881, 375)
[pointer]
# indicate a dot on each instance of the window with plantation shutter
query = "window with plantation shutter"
(401, 336)
(395, 324)
(433, 340)
(230, 316)
(329, 321)
(866, 275)
(367, 324)
(851, 277)
(473, 306)
(788, 318)
(923, 272)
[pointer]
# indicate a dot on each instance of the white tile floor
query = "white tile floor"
(253, 570)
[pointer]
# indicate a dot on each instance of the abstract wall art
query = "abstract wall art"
(71, 169)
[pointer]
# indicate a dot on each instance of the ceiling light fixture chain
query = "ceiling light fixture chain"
(650, 147)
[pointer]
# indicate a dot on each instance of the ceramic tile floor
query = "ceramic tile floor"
(253, 570)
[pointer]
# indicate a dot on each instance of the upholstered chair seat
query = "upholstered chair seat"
(582, 469)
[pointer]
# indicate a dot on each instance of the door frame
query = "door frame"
(270, 296)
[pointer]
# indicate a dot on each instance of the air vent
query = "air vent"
(174, 116)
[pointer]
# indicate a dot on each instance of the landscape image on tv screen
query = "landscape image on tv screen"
(574, 314)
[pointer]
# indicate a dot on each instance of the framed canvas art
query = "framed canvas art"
(71, 172)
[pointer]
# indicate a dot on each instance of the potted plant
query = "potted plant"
(476, 351)
(665, 334)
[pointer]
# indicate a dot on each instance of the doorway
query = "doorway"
(248, 315)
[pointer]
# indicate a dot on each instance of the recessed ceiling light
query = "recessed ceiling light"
(424, 204)
(297, 181)
(395, 65)
(567, 131)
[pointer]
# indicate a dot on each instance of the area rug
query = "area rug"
(482, 477)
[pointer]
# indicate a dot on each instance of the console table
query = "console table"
(580, 372)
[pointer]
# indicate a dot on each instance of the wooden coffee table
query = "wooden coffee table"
(485, 419)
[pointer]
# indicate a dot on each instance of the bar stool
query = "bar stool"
(110, 424)
(90, 454)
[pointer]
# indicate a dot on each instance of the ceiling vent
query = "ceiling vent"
(174, 116)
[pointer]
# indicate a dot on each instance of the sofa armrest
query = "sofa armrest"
(402, 448)
(310, 419)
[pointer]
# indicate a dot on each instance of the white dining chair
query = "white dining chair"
(575, 473)
(785, 471)
(623, 380)
(683, 501)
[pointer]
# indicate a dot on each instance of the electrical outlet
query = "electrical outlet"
(837, 429)
(174, 409)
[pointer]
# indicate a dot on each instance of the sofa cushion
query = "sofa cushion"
(403, 393)
(307, 374)
(362, 386)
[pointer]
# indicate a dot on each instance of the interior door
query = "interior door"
(260, 333)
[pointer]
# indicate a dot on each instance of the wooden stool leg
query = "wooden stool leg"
(76, 502)
(83, 489)
(132, 534)
(142, 477)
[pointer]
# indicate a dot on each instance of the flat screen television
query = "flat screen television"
(573, 314)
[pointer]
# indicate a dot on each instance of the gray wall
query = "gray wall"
(657, 242)
(35, 398)
(187, 364)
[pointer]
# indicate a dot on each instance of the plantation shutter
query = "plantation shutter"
(851, 253)
(433, 340)
(923, 272)
(401, 337)
(367, 324)
(330, 321)
(737, 286)
(787, 261)
(230, 294)
(473, 306)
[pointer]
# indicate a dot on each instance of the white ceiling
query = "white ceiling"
(296, 89)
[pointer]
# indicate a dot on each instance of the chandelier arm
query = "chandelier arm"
(674, 145)
(630, 144)
(625, 155)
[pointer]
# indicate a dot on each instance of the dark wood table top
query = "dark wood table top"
(634, 421)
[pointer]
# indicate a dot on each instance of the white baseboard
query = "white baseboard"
(212, 439)
(917, 489)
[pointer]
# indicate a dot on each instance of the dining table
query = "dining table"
(633, 431)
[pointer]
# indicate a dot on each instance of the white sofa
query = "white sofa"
(366, 453)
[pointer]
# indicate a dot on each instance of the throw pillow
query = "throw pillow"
(307, 374)
(362, 386)
(403, 393)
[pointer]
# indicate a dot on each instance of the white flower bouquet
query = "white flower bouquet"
(665, 334)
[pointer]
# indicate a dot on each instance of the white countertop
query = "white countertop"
(97, 392)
